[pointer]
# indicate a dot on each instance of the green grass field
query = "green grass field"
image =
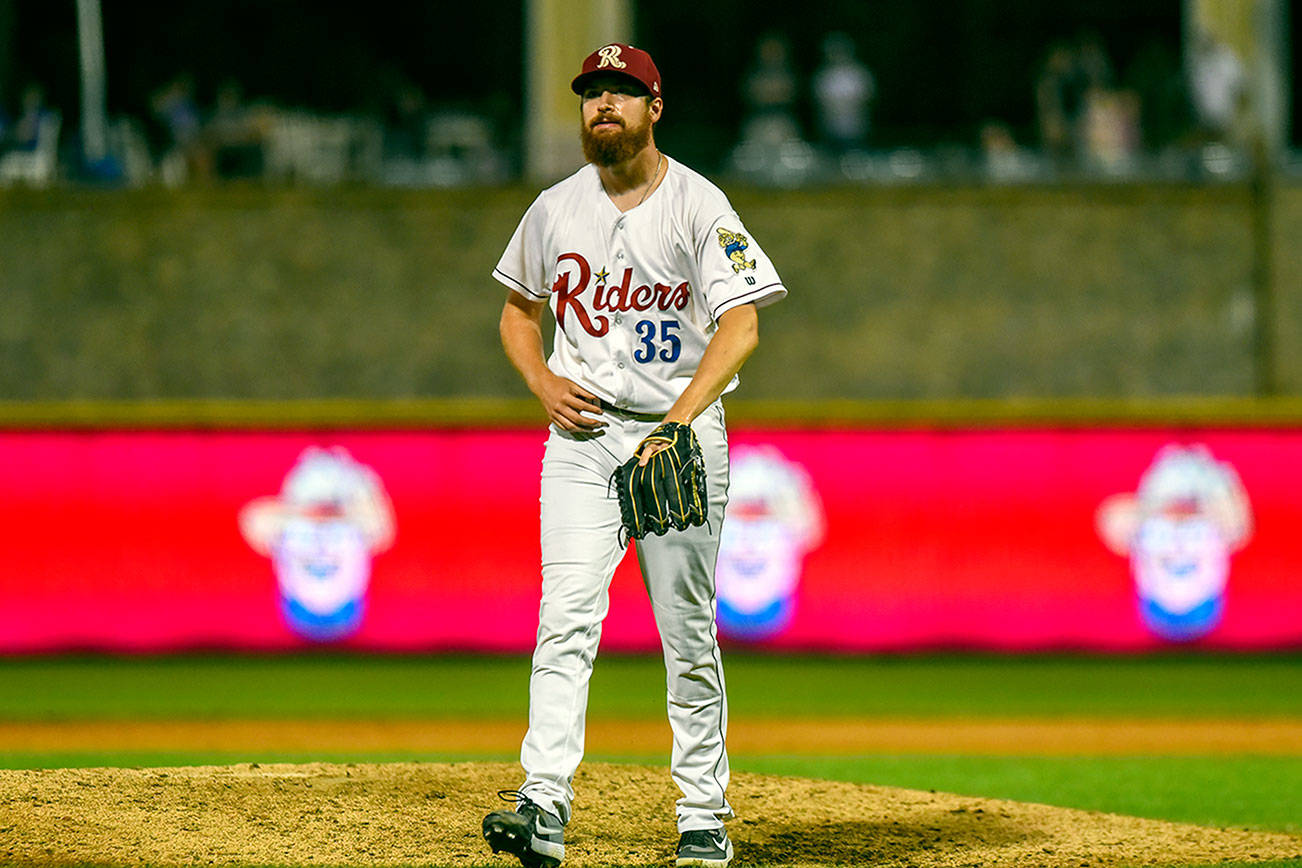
(321, 686)
(1239, 790)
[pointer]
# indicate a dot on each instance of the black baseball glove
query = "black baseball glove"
(669, 492)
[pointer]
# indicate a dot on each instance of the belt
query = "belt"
(607, 407)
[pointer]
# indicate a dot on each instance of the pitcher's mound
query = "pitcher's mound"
(429, 814)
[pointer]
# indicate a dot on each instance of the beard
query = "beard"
(611, 148)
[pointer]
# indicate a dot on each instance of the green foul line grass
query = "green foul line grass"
(344, 686)
(1240, 791)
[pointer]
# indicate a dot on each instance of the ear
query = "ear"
(656, 108)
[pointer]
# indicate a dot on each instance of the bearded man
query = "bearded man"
(654, 285)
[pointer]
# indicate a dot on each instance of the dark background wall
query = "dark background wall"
(328, 55)
(943, 67)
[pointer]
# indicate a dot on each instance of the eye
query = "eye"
(619, 90)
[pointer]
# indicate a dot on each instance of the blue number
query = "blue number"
(671, 344)
(675, 346)
(646, 330)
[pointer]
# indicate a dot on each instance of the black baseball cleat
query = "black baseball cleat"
(708, 848)
(533, 835)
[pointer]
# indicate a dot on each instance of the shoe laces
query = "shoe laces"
(513, 796)
(524, 805)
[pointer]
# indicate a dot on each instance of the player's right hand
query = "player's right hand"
(569, 405)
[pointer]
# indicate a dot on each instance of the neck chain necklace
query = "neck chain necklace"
(652, 182)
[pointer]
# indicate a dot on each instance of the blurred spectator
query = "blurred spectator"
(1111, 130)
(183, 152)
(427, 145)
(1109, 121)
(771, 149)
(30, 149)
(1218, 87)
(770, 92)
(406, 125)
(461, 149)
(843, 90)
(34, 117)
(1093, 62)
(1059, 96)
(236, 134)
(1002, 158)
(1078, 113)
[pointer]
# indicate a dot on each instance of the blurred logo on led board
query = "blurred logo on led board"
(774, 518)
(331, 517)
(1188, 515)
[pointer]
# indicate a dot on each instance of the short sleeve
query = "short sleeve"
(523, 267)
(734, 270)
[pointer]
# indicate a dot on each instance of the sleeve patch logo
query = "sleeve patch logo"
(734, 246)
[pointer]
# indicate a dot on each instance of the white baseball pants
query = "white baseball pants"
(580, 550)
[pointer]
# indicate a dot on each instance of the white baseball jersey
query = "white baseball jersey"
(636, 294)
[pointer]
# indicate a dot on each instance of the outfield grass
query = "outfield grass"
(332, 686)
(1240, 791)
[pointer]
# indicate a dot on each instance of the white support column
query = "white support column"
(558, 35)
(1272, 72)
(94, 120)
(1257, 31)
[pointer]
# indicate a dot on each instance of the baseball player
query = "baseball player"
(654, 284)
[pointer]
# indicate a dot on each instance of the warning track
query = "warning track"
(821, 736)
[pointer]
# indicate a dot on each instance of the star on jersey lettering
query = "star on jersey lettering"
(602, 275)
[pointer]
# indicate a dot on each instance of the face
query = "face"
(617, 117)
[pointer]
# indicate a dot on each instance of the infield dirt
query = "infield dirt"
(429, 814)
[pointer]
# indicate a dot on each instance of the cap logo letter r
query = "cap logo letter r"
(610, 57)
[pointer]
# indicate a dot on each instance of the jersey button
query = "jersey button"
(621, 366)
(618, 319)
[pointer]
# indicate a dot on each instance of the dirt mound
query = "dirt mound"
(408, 814)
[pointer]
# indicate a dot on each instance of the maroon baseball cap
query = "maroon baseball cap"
(620, 59)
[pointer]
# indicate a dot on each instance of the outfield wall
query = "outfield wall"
(990, 533)
(896, 293)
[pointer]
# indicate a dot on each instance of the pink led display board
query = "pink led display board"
(840, 540)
